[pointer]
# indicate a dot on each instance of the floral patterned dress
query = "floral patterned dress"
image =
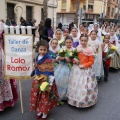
(40, 101)
(98, 64)
(8, 88)
(82, 88)
(62, 73)
(115, 62)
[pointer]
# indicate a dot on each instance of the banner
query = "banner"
(18, 56)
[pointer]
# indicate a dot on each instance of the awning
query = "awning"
(110, 20)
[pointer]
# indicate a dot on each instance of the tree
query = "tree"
(45, 9)
(76, 14)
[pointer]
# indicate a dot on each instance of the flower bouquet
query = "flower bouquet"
(62, 52)
(113, 49)
(72, 54)
(61, 43)
(45, 87)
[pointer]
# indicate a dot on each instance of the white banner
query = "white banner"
(18, 56)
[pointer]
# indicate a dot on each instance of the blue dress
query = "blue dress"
(53, 56)
(62, 73)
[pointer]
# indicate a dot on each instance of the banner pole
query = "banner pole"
(21, 100)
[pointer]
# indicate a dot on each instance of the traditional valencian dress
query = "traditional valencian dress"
(106, 63)
(98, 64)
(75, 41)
(8, 88)
(62, 73)
(52, 52)
(115, 62)
(40, 101)
(82, 88)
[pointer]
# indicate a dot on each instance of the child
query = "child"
(95, 44)
(86, 31)
(113, 37)
(65, 33)
(82, 88)
(106, 62)
(74, 34)
(115, 62)
(58, 34)
(107, 31)
(44, 69)
(53, 48)
(59, 37)
(62, 72)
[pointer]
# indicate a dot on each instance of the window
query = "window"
(10, 11)
(90, 7)
(84, 7)
(63, 5)
(112, 13)
(108, 11)
(29, 12)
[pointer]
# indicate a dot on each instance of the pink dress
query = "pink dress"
(8, 88)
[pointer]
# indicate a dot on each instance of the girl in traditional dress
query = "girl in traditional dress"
(106, 62)
(115, 62)
(44, 69)
(59, 37)
(107, 31)
(62, 72)
(58, 34)
(53, 50)
(86, 31)
(80, 30)
(8, 88)
(96, 46)
(75, 37)
(65, 33)
(82, 88)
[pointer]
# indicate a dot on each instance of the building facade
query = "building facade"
(92, 10)
(96, 9)
(66, 11)
(32, 9)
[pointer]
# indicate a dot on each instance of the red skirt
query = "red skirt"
(40, 101)
(8, 102)
(107, 62)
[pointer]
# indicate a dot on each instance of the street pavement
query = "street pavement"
(107, 107)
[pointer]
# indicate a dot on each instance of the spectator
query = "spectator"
(13, 22)
(32, 23)
(8, 22)
(23, 22)
(47, 33)
(40, 28)
(60, 26)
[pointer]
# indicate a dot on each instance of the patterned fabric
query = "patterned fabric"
(82, 87)
(44, 66)
(62, 73)
(115, 62)
(98, 64)
(107, 62)
(75, 44)
(8, 88)
(8, 94)
(75, 41)
(40, 101)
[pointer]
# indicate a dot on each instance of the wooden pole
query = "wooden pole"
(21, 100)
